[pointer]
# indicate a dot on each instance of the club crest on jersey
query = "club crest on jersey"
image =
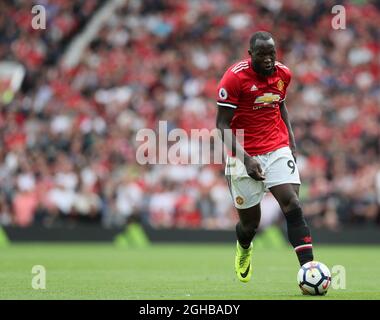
(223, 94)
(280, 85)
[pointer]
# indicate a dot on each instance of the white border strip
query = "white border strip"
(304, 246)
(239, 69)
(226, 105)
(240, 64)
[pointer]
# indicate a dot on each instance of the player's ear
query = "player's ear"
(250, 52)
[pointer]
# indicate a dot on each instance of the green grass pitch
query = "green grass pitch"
(102, 271)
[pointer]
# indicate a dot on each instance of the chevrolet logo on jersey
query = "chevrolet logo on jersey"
(268, 98)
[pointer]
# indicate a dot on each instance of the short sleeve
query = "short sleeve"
(288, 77)
(228, 91)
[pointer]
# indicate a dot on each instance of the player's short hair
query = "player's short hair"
(259, 35)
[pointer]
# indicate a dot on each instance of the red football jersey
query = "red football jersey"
(256, 100)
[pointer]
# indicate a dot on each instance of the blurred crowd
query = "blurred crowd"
(68, 138)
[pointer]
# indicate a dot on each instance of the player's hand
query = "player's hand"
(254, 169)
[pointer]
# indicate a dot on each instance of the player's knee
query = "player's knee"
(295, 218)
(291, 203)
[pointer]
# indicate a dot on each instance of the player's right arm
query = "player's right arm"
(228, 96)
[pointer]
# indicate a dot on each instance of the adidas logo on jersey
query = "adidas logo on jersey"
(254, 88)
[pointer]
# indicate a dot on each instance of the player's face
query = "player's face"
(263, 57)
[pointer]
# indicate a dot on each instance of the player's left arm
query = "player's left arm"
(285, 118)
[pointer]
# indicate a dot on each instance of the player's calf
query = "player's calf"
(298, 231)
(249, 220)
(299, 235)
(245, 234)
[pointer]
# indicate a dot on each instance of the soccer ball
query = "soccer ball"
(314, 278)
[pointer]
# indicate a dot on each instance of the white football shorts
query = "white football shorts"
(279, 168)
